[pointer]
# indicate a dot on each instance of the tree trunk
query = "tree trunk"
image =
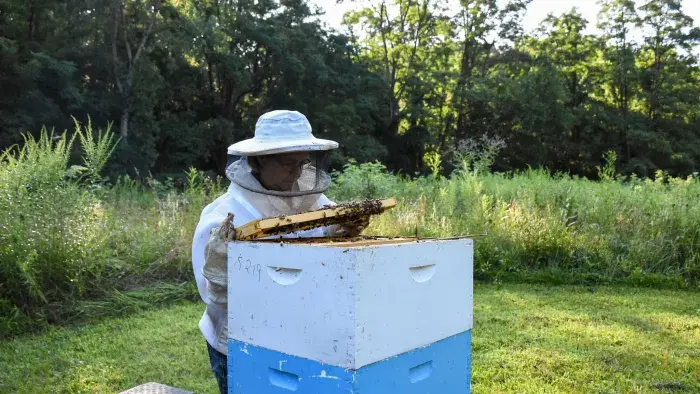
(124, 126)
(465, 73)
(31, 23)
(131, 61)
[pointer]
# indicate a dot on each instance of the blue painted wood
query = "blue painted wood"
(443, 367)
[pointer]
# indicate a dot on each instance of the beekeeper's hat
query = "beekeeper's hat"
(281, 131)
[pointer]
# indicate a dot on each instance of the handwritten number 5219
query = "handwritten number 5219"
(250, 269)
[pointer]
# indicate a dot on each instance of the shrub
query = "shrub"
(51, 227)
(71, 244)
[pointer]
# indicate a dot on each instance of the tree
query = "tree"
(258, 56)
(563, 44)
(429, 59)
(475, 24)
(393, 40)
(38, 70)
(126, 66)
(668, 72)
(669, 42)
(407, 83)
(616, 19)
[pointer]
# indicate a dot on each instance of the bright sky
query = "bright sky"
(536, 12)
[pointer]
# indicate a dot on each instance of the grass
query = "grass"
(539, 339)
(113, 355)
(526, 339)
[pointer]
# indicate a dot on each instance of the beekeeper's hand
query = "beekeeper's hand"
(354, 229)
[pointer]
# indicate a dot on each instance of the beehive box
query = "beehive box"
(376, 316)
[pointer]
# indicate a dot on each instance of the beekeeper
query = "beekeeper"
(281, 171)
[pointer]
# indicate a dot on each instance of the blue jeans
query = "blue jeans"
(219, 365)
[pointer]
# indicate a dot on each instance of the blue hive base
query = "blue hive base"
(441, 368)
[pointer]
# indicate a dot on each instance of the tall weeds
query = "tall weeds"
(73, 245)
(69, 240)
(50, 233)
(550, 227)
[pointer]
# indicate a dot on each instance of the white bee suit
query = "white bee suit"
(209, 251)
(276, 132)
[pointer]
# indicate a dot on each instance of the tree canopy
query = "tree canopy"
(407, 82)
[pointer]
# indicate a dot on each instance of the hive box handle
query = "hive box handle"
(420, 372)
(423, 273)
(284, 276)
(285, 380)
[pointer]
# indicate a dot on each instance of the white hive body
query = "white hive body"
(349, 305)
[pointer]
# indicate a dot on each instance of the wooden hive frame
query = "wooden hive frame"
(340, 214)
(363, 240)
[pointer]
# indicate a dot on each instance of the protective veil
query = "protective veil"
(313, 181)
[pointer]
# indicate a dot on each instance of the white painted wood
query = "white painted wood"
(409, 296)
(311, 318)
(349, 306)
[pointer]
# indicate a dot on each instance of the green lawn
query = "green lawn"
(527, 339)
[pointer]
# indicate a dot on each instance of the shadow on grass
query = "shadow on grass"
(615, 339)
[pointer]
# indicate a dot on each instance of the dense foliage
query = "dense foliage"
(406, 82)
(69, 241)
(73, 246)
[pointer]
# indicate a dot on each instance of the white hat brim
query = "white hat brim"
(256, 147)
